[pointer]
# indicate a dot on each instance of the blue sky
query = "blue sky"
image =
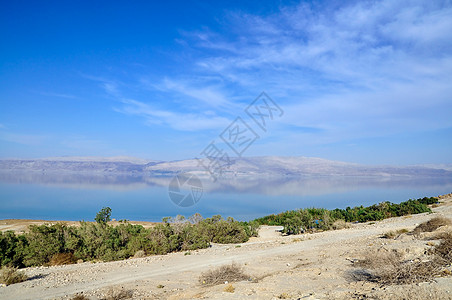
(360, 81)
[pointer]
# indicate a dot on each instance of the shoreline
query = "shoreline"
(21, 225)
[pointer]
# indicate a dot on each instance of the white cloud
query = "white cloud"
(356, 42)
(360, 70)
(351, 70)
(210, 96)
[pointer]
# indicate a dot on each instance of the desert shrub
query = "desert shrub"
(117, 294)
(428, 200)
(61, 244)
(293, 225)
(379, 258)
(226, 273)
(10, 275)
(394, 234)
(44, 241)
(192, 239)
(388, 267)
(139, 254)
(411, 292)
(218, 230)
(139, 241)
(162, 240)
(229, 231)
(79, 297)
(105, 242)
(431, 225)
(444, 249)
(12, 249)
(311, 219)
(62, 259)
(251, 228)
(390, 234)
(103, 216)
(339, 224)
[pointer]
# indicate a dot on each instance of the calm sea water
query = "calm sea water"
(79, 197)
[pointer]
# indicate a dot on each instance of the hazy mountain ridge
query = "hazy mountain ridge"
(251, 166)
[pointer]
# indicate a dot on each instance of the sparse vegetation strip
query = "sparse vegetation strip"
(61, 244)
(312, 219)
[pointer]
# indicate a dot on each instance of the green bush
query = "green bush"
(44, 241)
(12, 249)
(103, 216)
(309, 219)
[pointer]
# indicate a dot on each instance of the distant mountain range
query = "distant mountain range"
(249, 167)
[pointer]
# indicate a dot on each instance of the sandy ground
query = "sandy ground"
(307, 266)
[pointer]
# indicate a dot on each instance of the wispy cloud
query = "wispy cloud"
(358, 45)
(110, 86)
(186, 109)
(23, 139)
(58, 95)
(205, 120)
(210, 96)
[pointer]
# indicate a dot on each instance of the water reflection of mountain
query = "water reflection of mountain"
(75, 179)
(274, 185)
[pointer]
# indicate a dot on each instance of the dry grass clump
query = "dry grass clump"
(139, 254)
(118, 294)
(444, 250)
(229, 288)
(62, 259)
(422, 293)
(431, 225)
(389, 267)
(378, 258)
(79, 297)
(223, 274)
(394, 234)
(11, 275)
(411, 292)
(339, 224)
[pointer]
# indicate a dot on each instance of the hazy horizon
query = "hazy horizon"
(143, 160)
